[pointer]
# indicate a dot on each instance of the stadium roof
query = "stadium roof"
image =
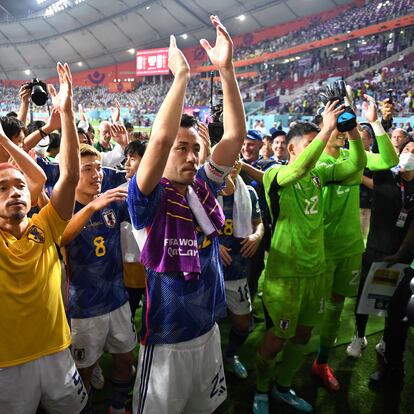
(35, 34)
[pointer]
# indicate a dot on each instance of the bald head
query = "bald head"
(105, 132)
(399, 138)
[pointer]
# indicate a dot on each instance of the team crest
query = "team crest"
(36, 234)
(79, 354)
(284, 324)
(316, 181)
(109, 218)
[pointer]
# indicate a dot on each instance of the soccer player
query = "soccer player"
(343, 238)
(134, 271)
(173, 204)
(239, 240)
(35, 362)
(98, 301)
(294, 270)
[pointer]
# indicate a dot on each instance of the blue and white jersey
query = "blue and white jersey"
(240, 266)
(175, 309)
(95, 270)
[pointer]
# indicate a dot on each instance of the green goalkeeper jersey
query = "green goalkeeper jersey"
(297, 246)
(343, 236)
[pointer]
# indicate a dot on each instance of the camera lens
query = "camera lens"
(39, 96)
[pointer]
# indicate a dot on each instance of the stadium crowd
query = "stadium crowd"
(181, 224)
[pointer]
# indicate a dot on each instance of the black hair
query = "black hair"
(301, 128)
(318, 119)
(54, 141)
(35, 125)
(136, 148)
(128, 125)
(188, 121)
(13, 114)
(11, 126)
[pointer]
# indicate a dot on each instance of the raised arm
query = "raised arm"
(387, 157)
(63, 196)
(307, 159)
(52, 124)
(78, 221)
(24, 93)
(234, 122)
(34, 175)
(166, 123)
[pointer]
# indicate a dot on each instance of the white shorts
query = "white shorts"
(238, 296)
(183, 378)
(52, 380)
(113, 332)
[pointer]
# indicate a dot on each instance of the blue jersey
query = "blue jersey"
(176, 310)
(240, 266)
(95, 264)
(111, 177)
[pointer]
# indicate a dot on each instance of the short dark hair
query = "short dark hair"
(54, 141)
(136, 148)
(12, 113)
(35, 125)
(318, 119)
(299, 129)
(11, 126)
(188, 121)
(128, 125)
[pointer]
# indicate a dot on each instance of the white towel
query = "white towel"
(199, 213)
(242, 210)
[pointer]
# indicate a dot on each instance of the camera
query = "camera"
(39, 93)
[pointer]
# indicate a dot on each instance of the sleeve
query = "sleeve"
(112, 178)
(215, 183)
(386, 158)
(114, 157)
(347, 172)
(302, 165)
(256, 213)
(142, 208)
(52, 172)
(270, 176)
(55, 223)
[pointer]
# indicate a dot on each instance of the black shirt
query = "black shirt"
(385, 237)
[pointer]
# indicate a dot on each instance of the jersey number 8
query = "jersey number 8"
(100, 248)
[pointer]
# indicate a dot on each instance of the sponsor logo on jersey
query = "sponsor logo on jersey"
(79, 354)
(284, 324)
(316, 181)
(109, 218)
(36, 234)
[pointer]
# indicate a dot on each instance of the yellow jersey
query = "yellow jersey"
(32, 316)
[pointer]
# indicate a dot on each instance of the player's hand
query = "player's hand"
(370, 109)
(221, 55)
(330, 115)
(116, 112)
(62, 101)
(205, 151)
(53, 122)
(176, 60)
(108, 197)
(250, 245)
(119, 134)
(392, 260)
(387, 109)
(225, 255)
(25, 92)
